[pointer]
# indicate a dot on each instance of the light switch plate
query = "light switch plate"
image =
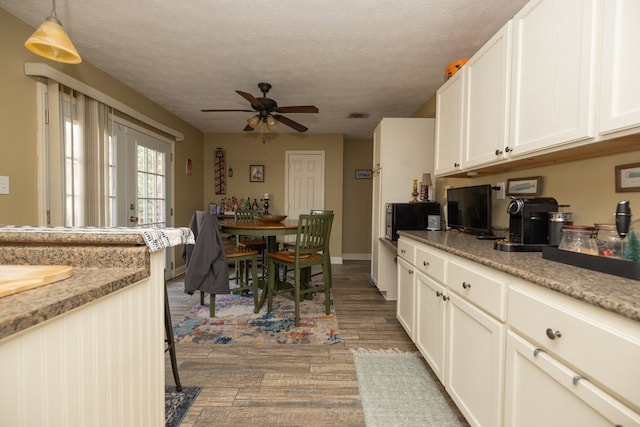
(4, 185)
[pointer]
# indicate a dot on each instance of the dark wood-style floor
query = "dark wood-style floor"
(289, 385)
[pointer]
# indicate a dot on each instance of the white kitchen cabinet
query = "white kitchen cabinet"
(599, 345)
(461, 341)
(542, 391)
(553, 78)
(486, 102)
(431, 322)
(403, 150)
(449, 129)
(620, 66)
(405, 307)
(475, 362)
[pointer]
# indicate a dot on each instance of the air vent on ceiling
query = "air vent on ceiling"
(358, 116)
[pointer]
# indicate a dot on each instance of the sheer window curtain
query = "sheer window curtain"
(78, 157)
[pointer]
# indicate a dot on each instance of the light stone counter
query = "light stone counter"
(612, 293)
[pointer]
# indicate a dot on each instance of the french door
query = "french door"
(140, 180)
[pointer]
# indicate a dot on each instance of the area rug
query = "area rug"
(396, 390)
(176, 404)
(236, 323)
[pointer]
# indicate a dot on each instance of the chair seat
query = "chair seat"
(289, 257)
(238, 251)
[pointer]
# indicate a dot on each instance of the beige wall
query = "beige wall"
(245, 149)
(18, 128)
(356, 235)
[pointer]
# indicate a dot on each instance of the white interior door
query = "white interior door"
(304, 182)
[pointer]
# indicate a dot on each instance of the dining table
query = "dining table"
(254, 227)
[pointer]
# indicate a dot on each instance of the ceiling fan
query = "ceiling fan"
(265, 107)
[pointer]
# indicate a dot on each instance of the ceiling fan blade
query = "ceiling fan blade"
(218, 111)
(294, 125)
(252, 99)
(247, 128)
(297, 109)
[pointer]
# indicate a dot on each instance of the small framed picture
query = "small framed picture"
(531, 186)
(256, 173)
(364, 174)
(628, 178)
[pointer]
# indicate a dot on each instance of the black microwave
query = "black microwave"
(410, 216)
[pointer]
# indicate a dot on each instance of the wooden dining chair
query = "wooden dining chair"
(311, 249)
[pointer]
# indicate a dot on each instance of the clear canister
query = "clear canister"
(578, 238)
(608, 241)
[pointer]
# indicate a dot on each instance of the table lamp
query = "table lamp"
(424, 187)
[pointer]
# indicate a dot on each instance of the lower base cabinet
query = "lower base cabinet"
(541, 391)
(475, 362)
(431, 321)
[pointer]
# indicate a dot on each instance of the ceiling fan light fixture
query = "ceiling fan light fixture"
(271, 122)
(52, 42)
(253, 121)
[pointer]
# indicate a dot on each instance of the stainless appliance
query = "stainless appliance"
(528, 224)
(408, 216)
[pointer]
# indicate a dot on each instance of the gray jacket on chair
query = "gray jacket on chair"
(207, 268)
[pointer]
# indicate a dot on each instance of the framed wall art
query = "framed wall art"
(628, 178)
(256, 173)
(531, 186)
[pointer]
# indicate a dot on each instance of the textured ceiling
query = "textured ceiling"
(382, 57)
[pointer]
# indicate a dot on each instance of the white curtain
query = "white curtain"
(78, 169)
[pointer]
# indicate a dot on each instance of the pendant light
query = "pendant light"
(50, 41)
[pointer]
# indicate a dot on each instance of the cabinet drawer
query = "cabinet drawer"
(481, 285)
(430, 263)
(602, 346)
(406, 250)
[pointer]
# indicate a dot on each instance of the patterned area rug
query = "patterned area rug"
(397, 390)
(235, 323)
(176, 404)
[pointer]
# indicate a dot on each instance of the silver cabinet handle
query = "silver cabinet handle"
(536, 351)
(552, 335)
(466, 285)
(575, 379)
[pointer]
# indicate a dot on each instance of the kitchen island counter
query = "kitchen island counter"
(612, 293)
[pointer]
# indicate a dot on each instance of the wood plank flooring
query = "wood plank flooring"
(289, 385)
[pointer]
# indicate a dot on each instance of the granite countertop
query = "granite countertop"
(104, 260)
(29, 308)
(612, 293)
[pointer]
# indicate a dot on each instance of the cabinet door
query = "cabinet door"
(405, 307)
(431, 322)
(486, 101)
(449, 125)
(540, 391)
(620, 96)
(475, 363)
(553, 77)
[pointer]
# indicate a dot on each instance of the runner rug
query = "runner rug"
(177, 403)
(397, 390)
(235, 323)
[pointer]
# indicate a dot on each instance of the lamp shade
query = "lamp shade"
(253, 121)
(426, 179)
(50, 41)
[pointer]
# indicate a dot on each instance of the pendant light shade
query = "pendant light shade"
(253, 121)
(50, 41)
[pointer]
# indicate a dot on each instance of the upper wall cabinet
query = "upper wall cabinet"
(620, 89)
(553, 74)
(486, 101)
(449, 125)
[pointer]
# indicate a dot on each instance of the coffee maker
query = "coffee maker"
(528, 224)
